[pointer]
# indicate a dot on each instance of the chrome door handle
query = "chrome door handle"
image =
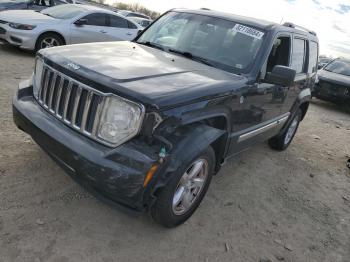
(129, 33)
(103, 31)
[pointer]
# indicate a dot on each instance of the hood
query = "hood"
(142, 73)
(334, 78)
(26, 17)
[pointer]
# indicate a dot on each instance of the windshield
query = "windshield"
(65, 11)
(339, 67)
(221, 43)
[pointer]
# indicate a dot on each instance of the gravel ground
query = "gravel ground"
(289, 206)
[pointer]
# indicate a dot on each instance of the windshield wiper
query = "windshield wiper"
(192, 57)
(151, 44)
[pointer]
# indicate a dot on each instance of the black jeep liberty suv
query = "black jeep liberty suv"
(147, 123)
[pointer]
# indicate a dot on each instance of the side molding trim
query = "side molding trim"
(263, 129)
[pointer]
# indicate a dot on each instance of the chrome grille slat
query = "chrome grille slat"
(52, 91)
(65, 107)
(58, 98)
(72, 102)
(43, 92)
(98, 114)
(76, 103)
(86, 111)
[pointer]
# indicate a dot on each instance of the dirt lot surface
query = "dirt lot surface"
(289, 206)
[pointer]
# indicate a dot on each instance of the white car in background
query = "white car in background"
(64, 24)
(143, 22)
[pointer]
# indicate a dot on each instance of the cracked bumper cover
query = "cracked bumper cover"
(114, 174)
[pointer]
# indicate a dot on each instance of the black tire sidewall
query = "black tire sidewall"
(297, 115)
(162, 211)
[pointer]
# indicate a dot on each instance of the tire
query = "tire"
(169, 214)
(283, 140)
(48, 40)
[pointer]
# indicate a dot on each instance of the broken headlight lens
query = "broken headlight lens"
(120, 120)
(38, 71)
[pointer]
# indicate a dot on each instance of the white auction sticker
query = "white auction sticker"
(248, 31)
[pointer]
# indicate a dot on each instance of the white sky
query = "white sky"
(328, 18)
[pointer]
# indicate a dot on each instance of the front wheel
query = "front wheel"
(283, 140)
(48, 40)
(178, 200)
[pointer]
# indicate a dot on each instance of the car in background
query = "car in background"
(30, 4)
(63, 25)
(128, 13)
(333, 83)
(323, 61)
(143, 22)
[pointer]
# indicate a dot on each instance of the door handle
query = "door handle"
(129, 33)
(103, 31)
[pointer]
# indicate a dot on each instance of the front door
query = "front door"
(262, 103)
(95, 29)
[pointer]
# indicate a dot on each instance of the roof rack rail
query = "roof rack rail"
(291, 25)
(205, 8)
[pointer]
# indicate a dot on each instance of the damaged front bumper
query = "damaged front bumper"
(114, 174)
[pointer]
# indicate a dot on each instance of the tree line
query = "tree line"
(132, 7)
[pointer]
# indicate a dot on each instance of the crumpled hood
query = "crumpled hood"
(334, 78)
(144, 73)
(26, 17)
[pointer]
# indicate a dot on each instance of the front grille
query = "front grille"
(334, 89)
(70, 101)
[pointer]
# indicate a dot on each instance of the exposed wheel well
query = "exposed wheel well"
(304, 107)
(219, 145)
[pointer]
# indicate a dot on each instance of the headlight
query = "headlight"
(38, 71)
(22, 26)
(120, 120)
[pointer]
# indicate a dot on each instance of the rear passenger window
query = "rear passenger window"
(116, 21)
(299, 55)
(313, 57)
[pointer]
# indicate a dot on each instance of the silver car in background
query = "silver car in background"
(64, 24)
(143, 22)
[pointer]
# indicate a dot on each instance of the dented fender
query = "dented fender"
(186, 144)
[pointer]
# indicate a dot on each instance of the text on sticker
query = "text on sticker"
(248, 31)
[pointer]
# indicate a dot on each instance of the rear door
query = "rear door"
(120, 29)
(95, 30)
(299, 60)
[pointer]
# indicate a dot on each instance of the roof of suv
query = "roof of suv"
(259, 23)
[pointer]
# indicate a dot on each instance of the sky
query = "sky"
(330, 19)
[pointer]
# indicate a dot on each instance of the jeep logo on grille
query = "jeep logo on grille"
(74, 66)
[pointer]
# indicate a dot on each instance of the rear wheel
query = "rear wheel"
(178, 200)
(283, 140)
(48, 40)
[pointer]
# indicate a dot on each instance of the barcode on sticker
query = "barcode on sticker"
(248, 31)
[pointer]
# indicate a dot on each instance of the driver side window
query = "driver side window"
(280, 53)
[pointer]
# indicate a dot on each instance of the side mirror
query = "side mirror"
(81, 22)
(281, 75)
